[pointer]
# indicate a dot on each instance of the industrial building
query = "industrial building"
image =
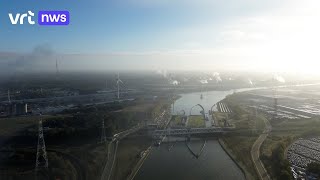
(13, 109)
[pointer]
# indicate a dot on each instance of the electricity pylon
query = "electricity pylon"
(9, 99)
(42, 158)
(103, 132)
(118, 86)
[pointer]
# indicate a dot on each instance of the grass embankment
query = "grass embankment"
(74, 133)
(176, 120)
(284, 132)
(220, 117)
(92, 158)
(196, 121)
(20, 165)
(11, 126)
(239, 143)
(128, 155)
(239, 149)
(248, 127)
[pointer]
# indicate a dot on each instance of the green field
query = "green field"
(71, 141)
(196, 121)
(176, 120)
(272, 152)
(128, 155)
(240, 147)
(284, 132)
(11, 126)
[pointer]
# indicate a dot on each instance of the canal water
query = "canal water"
(178, 163)
(187, 101)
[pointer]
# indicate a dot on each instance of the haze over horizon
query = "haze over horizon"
(269, 36)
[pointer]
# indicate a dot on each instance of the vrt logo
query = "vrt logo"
(45, 18)
(20, 17)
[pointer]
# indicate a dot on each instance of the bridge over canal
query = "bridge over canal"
(190, 131)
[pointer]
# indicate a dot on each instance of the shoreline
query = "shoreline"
(139, 164)
(246, 174)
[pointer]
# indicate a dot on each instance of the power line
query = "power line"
(42, 158)
(103, 132)
(9, 99)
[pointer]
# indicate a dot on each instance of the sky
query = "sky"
(273, 35)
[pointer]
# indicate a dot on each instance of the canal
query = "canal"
(178, 163)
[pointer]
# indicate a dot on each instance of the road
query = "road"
(111, 156)
(112, 151)
(113, 145)
(162, 120)
(255, 152)
(139, 164)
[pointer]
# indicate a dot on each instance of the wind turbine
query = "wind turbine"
(118, 84)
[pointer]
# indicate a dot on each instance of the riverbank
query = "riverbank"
(241, 166)
(137, 167)
(285, 129)
(178, 162)
(182, 162)
(255, 152)
(239, 144)
(129, 152)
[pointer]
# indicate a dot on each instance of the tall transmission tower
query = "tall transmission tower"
(103, 132)
(172, 98)
(255, 113)
(42, 158)
(118, 85)
(173, 107)
(275, 104)
(275, 101)
(9, 100)
(57, 69)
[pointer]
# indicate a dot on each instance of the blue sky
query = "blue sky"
(113, 25)
(272, 35)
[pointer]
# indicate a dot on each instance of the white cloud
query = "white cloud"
(281, 39)
(234, 35)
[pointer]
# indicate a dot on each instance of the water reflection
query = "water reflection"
(194, 153)
(179, 163)
(194, 159)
